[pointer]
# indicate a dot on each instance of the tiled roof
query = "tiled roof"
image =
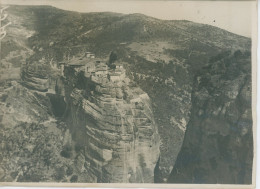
(114, 74)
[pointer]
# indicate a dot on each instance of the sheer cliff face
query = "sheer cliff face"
(114, 126)
(218, 144)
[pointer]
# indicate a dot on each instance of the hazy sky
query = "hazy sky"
(234, 16)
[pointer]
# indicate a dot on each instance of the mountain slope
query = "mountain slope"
(164, 58)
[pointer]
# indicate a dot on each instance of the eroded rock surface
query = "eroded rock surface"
(218, 144)
(35, 76)
(113, 124)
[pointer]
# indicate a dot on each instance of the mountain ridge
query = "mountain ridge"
(163, 58)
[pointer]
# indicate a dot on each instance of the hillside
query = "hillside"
(164, 58)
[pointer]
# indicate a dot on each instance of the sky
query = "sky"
(234, 16)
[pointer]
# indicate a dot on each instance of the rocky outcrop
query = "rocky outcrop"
(113, 125)
(35, 76)
(218, 144)
(114, 135)
(163, 57)
(40, 75)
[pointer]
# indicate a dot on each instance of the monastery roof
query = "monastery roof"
(101, 70)
(76, 65)
(83, 61)
(119, 63)
(118, 70)
(114, 74)
(101, 64)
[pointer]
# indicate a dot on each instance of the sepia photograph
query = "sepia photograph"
(128, 92)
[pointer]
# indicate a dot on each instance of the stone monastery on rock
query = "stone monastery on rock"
(95, 69)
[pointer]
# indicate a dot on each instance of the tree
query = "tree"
(112, 59)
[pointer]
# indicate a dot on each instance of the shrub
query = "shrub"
(74, 178)
(66, 152)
